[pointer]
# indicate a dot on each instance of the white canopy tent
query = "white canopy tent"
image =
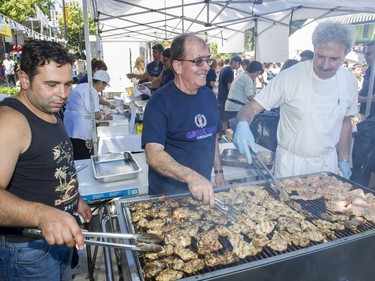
(215, 20)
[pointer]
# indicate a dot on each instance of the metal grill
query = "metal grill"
(250, 266)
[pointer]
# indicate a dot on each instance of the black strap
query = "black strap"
(236, 101)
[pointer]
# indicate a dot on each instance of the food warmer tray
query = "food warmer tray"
(115, 166)
(347, 257)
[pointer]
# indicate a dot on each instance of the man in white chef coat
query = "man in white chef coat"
(317, 99)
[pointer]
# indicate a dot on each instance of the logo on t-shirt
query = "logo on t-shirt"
(203, 132)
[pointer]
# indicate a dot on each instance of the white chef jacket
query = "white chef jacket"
(311, 115)
(77, 116)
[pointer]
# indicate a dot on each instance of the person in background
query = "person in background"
(226, 78)
(38, 179)
(242, 89)
(306, 55)
(211, 75)
(77, 116)
(139, 68)
(10, 73)
(363, 93)
(345, 64)
(153, 69)
(95, 66)
(317, 99)
(167, 74)
(181, 122)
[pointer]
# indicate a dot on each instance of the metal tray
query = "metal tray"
(231, 156)
(115, 166)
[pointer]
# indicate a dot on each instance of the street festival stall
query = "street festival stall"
(311, 234)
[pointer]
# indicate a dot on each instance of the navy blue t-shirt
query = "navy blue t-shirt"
(226, 76)
(211, 76)
(154, 69)
(186, 125)
(168, 75)
(364, 93)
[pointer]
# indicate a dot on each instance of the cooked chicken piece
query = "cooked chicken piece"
(205, 225)
(353, 223)
(155, 223)
(189, 200)
(241, 248)
(279, 241)
(264, 226)
(337, 206)
(185, 213)
(140, 205)
(171, 203)
(194, 266)
(259, 240)
(322, 224)
(153, 268)
(166, 251)
(169, 275)
(315, 235)
(300, 239)
(176, 238)
(215, 216)
(215, 259)
(185, 253)
(305, 194)
(208, 242)
(334, 217)
(174, 263)
(140, 214)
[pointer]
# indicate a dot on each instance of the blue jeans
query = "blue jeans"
(34, 260)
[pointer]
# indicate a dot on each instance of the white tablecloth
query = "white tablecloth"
(120, 143)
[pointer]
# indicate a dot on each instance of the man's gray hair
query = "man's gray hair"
(333, 32)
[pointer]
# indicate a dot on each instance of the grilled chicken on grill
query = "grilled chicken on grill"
(174, 263)
(141, 205)
(215, 259)
(194, 266)
(208, 242)
(185, 253)
(280, 241)
(153, 268)
(169, 275)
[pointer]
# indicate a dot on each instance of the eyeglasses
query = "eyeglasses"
(200, 61)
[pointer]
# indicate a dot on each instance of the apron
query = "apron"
(290, 163)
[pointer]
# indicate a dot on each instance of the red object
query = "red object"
(19, 48)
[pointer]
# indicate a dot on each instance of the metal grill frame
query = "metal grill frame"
(348, 257)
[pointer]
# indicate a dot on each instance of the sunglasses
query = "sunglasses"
(199, 62)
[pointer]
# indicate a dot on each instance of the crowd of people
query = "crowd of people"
(193, 99)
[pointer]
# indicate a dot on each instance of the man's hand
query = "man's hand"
(345, 168)
(243, 139)
(201, 189)
(130, 75)
(84, 210)
(59, 228)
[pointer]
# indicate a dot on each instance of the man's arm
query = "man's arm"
(143, 76)
(163, 163)
(345, 141)
(249, 111)
(364, 99)
(57, 227)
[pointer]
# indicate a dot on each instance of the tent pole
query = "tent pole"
(89, 75)
(255, 36)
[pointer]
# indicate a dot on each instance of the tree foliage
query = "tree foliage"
(75, 26)
(20, 10)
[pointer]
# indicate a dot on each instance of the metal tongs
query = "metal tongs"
(274, 183)
(227, 210)
(141, 237)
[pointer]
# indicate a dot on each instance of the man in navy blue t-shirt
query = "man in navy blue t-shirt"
(180, 126)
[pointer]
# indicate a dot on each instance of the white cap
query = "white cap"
(101, 75)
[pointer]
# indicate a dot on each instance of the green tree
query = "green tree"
(75, 27)
(20, 10)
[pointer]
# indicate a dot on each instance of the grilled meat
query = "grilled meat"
(194, 266)
(169, 275)
(208, 242)
(215, 259)
(174, 263)
(185, 253)
(153, 268)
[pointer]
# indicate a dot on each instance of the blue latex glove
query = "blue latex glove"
(244, 140)
(345, 168)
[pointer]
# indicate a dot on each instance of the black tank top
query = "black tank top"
(45, 172)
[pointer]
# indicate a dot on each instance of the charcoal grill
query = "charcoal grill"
(349, 257)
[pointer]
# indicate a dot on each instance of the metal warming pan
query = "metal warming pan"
(348, 256)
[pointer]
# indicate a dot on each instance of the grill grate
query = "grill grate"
(313, 207)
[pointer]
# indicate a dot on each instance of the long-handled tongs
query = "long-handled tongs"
(269, 177)
(141, 237)
(227, 210)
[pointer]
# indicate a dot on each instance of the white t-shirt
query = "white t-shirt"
(9, 66)
(77, 119)
(241, 88)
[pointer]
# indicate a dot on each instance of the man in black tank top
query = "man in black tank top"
(38, 179)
